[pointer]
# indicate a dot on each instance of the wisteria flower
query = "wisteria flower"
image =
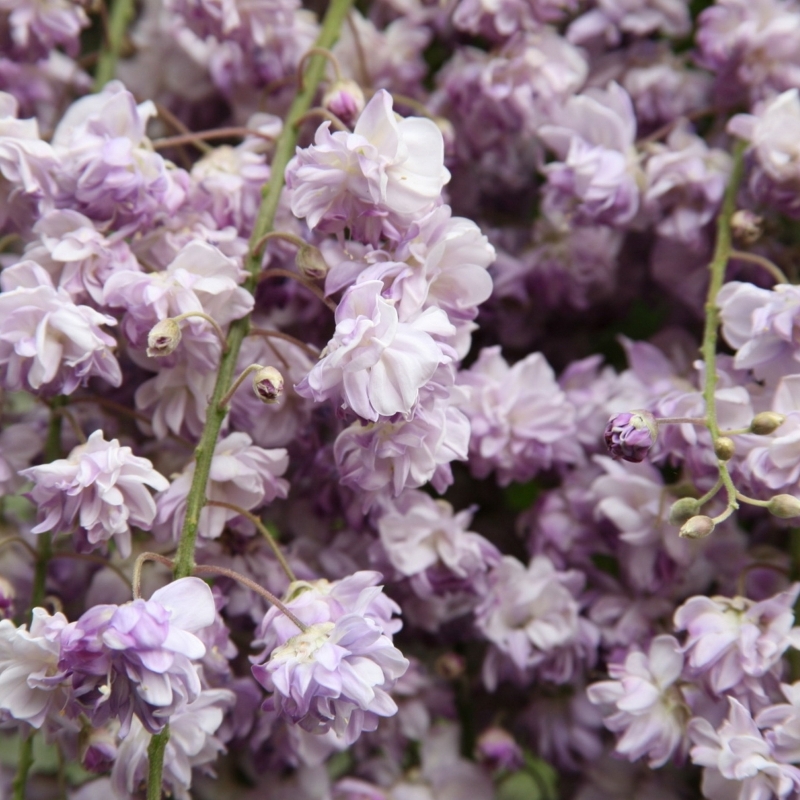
(649, 710)
(48, 344)
(101, 487)
(138, 658)
(731, 639)
(396, 168)
(374, 363)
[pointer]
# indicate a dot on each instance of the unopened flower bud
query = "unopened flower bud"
(724, 448)
(310, 262)
(629, 436)
(164, 337)
(344, 99)
(746, 226)
(784, 506)
(268, 385)
(683, 510)
(766, 422)
(497, 749)
(697, 527)
(450, 666)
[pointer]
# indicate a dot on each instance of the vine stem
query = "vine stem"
(263, 530)
(271, 195)
(719, 261)
(118, 21)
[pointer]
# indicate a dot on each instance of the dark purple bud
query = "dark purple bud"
(498, 750)
(344, 99)
(630, 435)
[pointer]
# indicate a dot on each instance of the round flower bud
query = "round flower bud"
(497, 749)
(344, 99)
(766, 422)
(268, 385)
(683, 510)
(784, 506)
(164, 337)
(629, 436)
(697, 527)
(450, 666)
(724, 448)
(310, 262)
(746, 226)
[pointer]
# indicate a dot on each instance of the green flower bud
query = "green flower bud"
(784, 506)
(683, 510)
(724, 448)
(766, 422)
(310, 262)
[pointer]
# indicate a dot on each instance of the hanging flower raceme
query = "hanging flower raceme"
(337, 673)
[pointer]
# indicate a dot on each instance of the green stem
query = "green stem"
(24, 765)
(284, 150)
(118, 21)
(719, 261)
(155, 755)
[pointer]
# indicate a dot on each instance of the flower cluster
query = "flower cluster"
(399, 402)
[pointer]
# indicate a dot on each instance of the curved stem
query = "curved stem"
(317, 51)
(209, 569)
(310, 351)
(318, 111)
(751, 501)
(196, 137)
(366, 79)
(285, 235)
(136, 583)
(118, 21)
(277, 272)
(210, 320)
(223, 403)
(18, 540)
(263, 530)
(710, 493)
(769, 266)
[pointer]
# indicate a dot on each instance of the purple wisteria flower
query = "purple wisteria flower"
(738, 760)
(48, 344)
(595, 179)
(101, 487)
(29, 668)
(776, 174)
(647, 706)
(521, 420)
(732, 641)
(200, 278)
(384, 173)
(391, 455)
(374, 363)
(192, 743)
(77, 255)
(630, 436)
(241, 474)
(108, 169)
(138, 658)
(610, 20)
(335, 674)
(37, 27)
(26, 166)
(531, 615)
